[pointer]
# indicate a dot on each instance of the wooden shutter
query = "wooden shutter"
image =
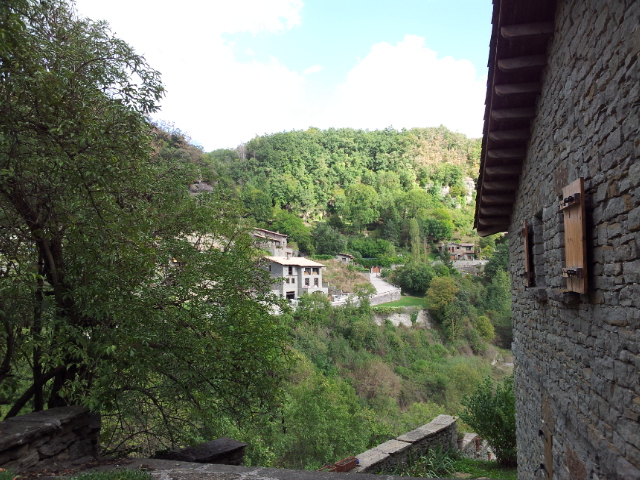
(575, 234)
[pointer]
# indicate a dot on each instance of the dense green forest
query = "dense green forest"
(122, 291)
(355, 180)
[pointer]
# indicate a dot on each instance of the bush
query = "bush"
(491, 412)
(6, 474)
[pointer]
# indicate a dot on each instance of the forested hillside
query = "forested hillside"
(356, 180)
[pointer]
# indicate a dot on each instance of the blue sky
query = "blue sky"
(239, 68)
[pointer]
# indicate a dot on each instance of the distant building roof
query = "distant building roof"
(346, 255)
(268, 231)
(295, 261)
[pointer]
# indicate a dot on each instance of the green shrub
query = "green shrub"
(485, 328)
(436, 463)
(322, 257)
(491, 412)
(6, 474)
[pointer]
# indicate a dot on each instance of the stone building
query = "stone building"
(273, 242)
(460, 251)
(296, 275)
(560, 171)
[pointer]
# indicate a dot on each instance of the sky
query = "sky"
(234, 69)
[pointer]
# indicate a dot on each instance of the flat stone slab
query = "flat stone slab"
(172, 470)
(222, 450)
(392, 446)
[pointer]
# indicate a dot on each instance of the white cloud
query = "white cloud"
(222, 102)
(314, 69)
(408, 86)
(219, 101)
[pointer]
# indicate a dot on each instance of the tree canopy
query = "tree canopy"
(117, 289)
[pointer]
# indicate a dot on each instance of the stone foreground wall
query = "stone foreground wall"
(577, 373)
(45, 438)
(441, 431)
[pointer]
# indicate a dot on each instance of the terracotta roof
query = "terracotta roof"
(517, 57)
(295, 261)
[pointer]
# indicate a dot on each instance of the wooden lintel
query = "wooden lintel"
(510, 65)
(517, 89)
(496, 210)
(514, 113)
(507, 153)
(507, 186)
(503, 169)
(510, 135)
(488, 221)
(485, 231)
(527, 30)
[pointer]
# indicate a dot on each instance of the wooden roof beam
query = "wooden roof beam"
(513, 113)
(526, 31)
(484, 231)
(503, 170)
(517, 64)
(509, 186)
(510, 135)
(504, 199)
(507, 153)
(507, 90)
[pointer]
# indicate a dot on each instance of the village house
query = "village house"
(461, 251)
(345, 257)
(273, 242)
(296, 275)
(560, 172)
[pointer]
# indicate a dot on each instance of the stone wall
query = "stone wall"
(385, 297)
(578, 356)
(441, 431)
(53, 436)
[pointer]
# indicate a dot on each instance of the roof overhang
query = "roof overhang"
(517, 57)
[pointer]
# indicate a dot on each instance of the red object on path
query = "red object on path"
(343, 465)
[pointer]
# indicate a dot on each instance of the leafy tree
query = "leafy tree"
(292, 225)
(414, 278)
(258, 203)
(360, 206)
(498, 261)
(485, 328)
(491, 412)
(368, 247)
(327, 240)
(117, 289)
(441, 293)
(437, 225)
(414, 234)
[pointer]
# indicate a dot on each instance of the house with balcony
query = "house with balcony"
(295, 276)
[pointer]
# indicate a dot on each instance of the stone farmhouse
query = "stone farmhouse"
(560, 172)
(297, 275)
(461, 251)
(273, 242)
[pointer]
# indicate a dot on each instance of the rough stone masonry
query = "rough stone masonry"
(578, 355)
